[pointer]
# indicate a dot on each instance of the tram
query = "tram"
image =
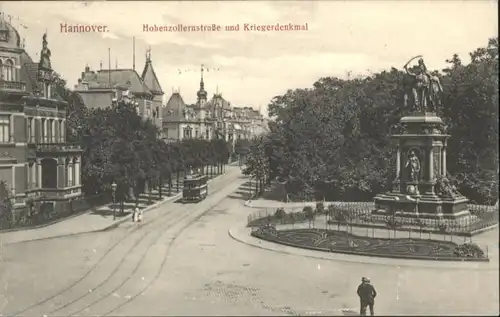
(195, 187)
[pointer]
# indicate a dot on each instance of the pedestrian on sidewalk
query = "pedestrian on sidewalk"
(367, 294)
(139, 216)
(135, 213)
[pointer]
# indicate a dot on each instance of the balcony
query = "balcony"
(12, 86)
(53, 193)
(58, 148)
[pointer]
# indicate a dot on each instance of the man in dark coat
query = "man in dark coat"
(367, 294)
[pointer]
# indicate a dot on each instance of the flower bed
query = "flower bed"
(343, 242)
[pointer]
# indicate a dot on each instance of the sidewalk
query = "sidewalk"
(92, 221)
(100, 219)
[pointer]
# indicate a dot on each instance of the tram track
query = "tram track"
(135, 237)
(126, 235)
(61, 310)
(108, 298)
(162, 265)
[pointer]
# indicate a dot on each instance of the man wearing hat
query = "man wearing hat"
(367, 294)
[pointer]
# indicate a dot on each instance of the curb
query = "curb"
(390, 256)
(117, 223)
(360, 259)
(112, 226)
(53, 222)
(109, 227)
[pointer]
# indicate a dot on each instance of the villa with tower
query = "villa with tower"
(210, 119)
(39, 170)
(104, 87)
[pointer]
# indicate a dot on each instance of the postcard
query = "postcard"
(219, 158)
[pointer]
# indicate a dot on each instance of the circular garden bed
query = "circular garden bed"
(344, 242)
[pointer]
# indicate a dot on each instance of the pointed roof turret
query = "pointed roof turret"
(149, 76)
(202, 94)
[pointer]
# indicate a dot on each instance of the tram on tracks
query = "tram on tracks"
(195, 188)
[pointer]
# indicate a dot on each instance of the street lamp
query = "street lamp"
(113, 192)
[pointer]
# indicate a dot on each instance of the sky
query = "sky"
(343, 37)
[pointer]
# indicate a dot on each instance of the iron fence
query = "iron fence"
(32, 217)
(360, 215)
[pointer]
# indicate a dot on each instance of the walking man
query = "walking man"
(367, 294)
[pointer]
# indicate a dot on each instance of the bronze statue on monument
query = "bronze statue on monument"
(425, 88)
(413, 167)
(421, 144)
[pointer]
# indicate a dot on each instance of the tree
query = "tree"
(470, 109)
(333, 140)
(242, 148)
(6, 207)
(309, 213)
(257, 165)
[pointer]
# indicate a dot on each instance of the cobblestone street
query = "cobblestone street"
(183, 262)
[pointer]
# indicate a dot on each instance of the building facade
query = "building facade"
(103, 88)
(39, 169)
(210, 119)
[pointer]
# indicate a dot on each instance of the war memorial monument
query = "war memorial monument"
(421, 188)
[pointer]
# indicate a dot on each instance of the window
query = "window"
(30, 130)
(44, 130)
(69, 172)
(33, 177)
(61, 131)
(49, 173)
(46, 90)
(9, 70)
(4, 129)
(49, 131)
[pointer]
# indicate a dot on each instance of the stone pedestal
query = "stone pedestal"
(420, 164)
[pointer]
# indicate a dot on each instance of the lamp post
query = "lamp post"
(113, 192)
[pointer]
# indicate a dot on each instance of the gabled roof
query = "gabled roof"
(119, 77)
(176, 102)
(174, 108)
(218, 101)
(150, 79)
